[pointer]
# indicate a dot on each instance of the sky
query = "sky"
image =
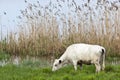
(10, 10)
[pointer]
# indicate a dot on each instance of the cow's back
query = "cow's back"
(81, 51)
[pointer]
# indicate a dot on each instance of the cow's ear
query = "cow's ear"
(60, 61)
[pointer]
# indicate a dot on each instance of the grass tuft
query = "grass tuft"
(109, 69)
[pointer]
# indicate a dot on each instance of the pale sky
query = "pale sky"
(12, 9)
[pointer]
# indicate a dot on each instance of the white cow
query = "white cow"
(82, 53)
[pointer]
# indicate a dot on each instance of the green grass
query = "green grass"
(11, 72)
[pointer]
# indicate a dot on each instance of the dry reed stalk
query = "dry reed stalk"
(42, 35)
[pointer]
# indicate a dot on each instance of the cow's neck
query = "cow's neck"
(63, 57)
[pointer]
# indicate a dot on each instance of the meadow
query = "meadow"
(12, 72)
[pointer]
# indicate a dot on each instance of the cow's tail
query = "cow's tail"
(103, 58)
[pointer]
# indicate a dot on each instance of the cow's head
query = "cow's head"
(57, 64)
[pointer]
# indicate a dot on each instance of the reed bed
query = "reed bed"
(47, 30)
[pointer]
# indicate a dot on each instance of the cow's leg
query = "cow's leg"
(80, 64)
(98, 66)
(75, 65)
(102, 62)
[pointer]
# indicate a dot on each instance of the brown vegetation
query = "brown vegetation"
(41, 34)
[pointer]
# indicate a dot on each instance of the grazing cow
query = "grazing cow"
(79, 54)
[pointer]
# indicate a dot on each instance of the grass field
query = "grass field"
(12, 72)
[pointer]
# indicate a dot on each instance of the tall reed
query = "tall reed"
(47, 31)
